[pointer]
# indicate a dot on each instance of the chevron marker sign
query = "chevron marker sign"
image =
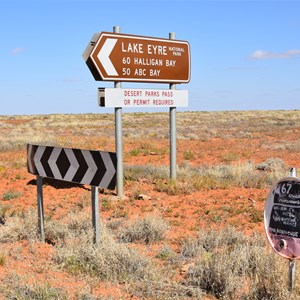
(96, 168)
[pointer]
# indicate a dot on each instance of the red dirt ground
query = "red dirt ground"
(185, 213)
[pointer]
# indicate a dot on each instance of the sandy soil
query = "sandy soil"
(186, 213)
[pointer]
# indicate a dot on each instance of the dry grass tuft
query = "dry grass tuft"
(229, 265)
(20, 227)
(109, 260)
(15, 288)
(148, 230)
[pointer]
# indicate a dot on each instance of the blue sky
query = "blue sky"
(245, 54)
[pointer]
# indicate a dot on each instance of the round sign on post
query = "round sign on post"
(282, 217)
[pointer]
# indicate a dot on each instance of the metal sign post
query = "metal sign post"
(292, 267)
(40, 204)
(172, 114)
(292, 262)
(118, 138)
(95, 214)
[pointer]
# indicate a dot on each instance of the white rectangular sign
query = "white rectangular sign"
(114, 97)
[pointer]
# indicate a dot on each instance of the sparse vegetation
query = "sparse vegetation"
(2, 259)
(272, 165)
(9, 195)
(4, 209)
(148, 230)
(188, 155)
(208, 177)
(15, 288)
(226, 262)
(19, 227)
(109, 261)
(193, 243)
(151, 173)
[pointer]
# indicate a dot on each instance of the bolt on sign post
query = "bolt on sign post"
(282, 220)
(132, 58)
(95, 168)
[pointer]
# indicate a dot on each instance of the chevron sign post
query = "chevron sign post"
(95, 168)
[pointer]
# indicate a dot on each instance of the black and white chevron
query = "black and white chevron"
(96, 168)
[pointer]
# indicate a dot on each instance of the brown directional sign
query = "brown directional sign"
(123, 57)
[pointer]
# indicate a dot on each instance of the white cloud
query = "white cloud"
(260, 54)
(17, 50)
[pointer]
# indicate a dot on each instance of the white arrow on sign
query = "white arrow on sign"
(52, 162)
(92, 167)
(110, 169)
(37, 160)
(73, 167)
(104, 54)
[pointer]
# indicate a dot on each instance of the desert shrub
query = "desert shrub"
(69, 227)
(172, 187)
(20, 136)
(220, 273)
(108, 260)
(165, 253)
(3, 213)
(9, 195)
(230, 156)
(134, 152)
(166, 290)
(190, 179)
(256, 215)
(225, 176)
(188, 155)
(23, 226)
(3, 257)
(208, 241)
(148, 230)
(231, 266)
(293, 146)
(20, 227)
(134, 173)
(268, 276)
(38, 291)
(13, 287)
(88, 296)
(190, 247)
(272, 164)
